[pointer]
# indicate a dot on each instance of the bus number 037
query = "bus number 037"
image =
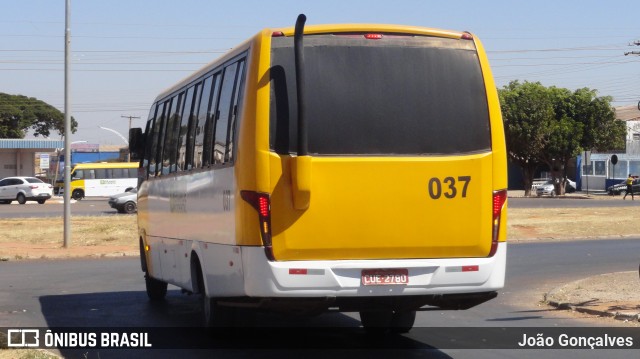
(449, 187)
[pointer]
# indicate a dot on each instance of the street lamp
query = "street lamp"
(123, 138)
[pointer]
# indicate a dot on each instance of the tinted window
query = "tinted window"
(235, 106)
(184, 129)
(171, 136)
(210, 126)
(223, 115)
(149, 137)
(202, 114)
(398, 95)
(33, 180)
(156, 141)
(100, 173)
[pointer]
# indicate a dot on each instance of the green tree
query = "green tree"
(553, 125)
(527, 111)
(19, 114)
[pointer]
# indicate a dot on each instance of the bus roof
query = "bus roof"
(309, 30)
(107, 165)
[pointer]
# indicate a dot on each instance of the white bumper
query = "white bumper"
(342, 278)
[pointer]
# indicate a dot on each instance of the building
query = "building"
(39, 157)
(18, 157)
(600, 172)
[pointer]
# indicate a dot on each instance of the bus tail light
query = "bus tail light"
(373, 36)
(499, 199)
(261, 203)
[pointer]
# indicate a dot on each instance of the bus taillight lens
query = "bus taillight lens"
(499, 199)
(261, 202)
(373, 36)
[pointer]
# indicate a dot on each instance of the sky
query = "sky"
(124, 53)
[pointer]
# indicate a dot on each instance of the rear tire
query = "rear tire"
(156, 289)
(213, 314)
(129, 208)
(377, 322)
(42, 201)
(21, 198)
(402, 322)
(77, 194)
(380, 322)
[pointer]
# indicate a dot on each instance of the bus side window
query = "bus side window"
(171, 137)
(203, 108)
(149, 136)
(210, 126)
(101, 173)
(191, 128)
(235, 106)
(156, 143)
(184, 128)
(224, 109)
(79, 174)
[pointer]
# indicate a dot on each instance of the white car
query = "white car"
(548, 189)
(23, 189)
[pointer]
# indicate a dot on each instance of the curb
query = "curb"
(612, 311)
(601, 313)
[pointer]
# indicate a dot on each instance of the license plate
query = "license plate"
(385, 276)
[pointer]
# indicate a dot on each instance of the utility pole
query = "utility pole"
(130, 119)
(67, 125)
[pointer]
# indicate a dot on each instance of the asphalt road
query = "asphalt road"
(102, 293)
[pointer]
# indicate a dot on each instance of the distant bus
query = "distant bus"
(352, 167)
(100, 179)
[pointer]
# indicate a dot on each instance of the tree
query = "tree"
(527, 111)
(19, 114)
(553, 125)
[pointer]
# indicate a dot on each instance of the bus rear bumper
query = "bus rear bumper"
(441, 281)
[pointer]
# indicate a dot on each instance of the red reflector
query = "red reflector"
(277, 34)
(297, 271)
(470, 268)
(466, 36)
(373, 36)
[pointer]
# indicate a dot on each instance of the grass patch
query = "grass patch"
(85, 230)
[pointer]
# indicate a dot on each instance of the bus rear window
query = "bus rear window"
(399, 95)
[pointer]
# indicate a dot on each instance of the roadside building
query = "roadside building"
(599, 171)
(18, 157)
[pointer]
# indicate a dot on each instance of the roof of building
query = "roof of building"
(30, 144)
(628, 113)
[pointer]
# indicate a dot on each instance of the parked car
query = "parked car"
(548, 188)
(23, 189)
(126, 202)
(621, 188)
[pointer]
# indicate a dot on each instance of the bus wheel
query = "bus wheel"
(377, 322)
(156, 289)
(77, 194)
(216, 315)
(402, 322)
(213, 314)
